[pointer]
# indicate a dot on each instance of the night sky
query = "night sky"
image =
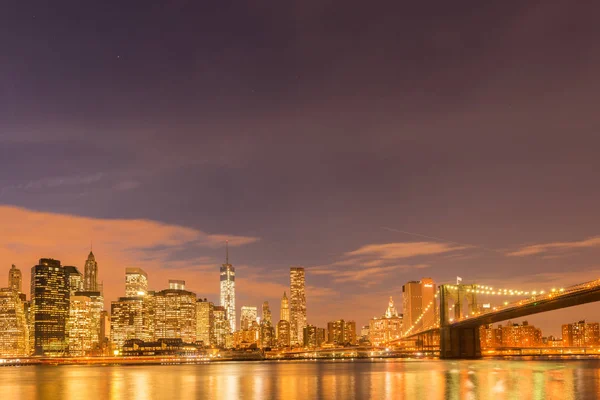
(322, 134)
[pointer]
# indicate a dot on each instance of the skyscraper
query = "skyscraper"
(387, 328)
(90, 279)
(80, 328)
(14, 332)
(49, 306)
(283, 333)
(266, 314)
(228, 289)
(15, 279)
(136, 282)
(297, 305)
(221, 327)
(75, 279)
(416, 296)
(204, 322)
(284, 313)
(248, 316)
(175, 315)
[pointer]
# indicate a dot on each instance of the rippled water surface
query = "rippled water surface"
(394, 379)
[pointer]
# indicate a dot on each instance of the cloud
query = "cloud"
(555, 246)
(118, 243)
(391, 251)
(61, 181)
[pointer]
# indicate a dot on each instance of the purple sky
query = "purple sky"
(303, 128)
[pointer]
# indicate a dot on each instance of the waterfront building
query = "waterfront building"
(90, 271)
(136, 282)
(75, 279)
(104, 333)
(283, 333)
(205, 322)
(126, 320)
(160, 347)
(96, 308)
(364, 333)
(386, 328)
(175, 315)
(247, 317)
(297, 304)
(310, 337)
(524, 335)
(221, 327)
(490, 337)
(580, 334)
(227, 281)
(284, 313)
(15, 279)
(80, 327)
(49, 307)
(341, 332)
(416, 296)
(14, 332)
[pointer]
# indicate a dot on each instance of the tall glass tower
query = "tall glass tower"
(228, 289)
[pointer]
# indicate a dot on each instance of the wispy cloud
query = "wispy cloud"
(555, 246)
(389, 251)
(118, 243)
(61, 181)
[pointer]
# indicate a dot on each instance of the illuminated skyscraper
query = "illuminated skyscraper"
(221, 328)
(14, 332)
(283, 333)
(136, 282)
(49, 306)
(126, 320)
(175, 315)
(90, 279)
(266, 313)
(416, 296)
(297, 305)
(248, 316)
(75, 279)
(15, 279)
(228, 289)
(80, 327)
(341, 332)
(284, 313)
(96, 306)
(205, 322)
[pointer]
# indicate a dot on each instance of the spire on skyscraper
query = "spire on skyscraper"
(227, 252)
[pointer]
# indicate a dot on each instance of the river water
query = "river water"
(381, 379)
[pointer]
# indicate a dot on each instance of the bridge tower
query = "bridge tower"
(458, 342)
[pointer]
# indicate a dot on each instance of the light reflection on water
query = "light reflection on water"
(391, 379)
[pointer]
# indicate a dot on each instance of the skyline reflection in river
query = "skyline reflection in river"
(388, 379)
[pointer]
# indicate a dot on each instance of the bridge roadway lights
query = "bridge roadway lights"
(460, 342)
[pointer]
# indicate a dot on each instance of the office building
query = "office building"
(341, 332)
(15, 279)
(175, 315)
(14, 332)
(227, 280)
(283, 333)
(49, 307)
(205, 322)
(387, 328)
(75, 279)
(580, 334)
(90, 271)
(297, 305)
(80, 327)
(284, 313)
(222, 326)
(266, 313)
(176, 284)
(136, 282)
(247, 317)
(416, 297)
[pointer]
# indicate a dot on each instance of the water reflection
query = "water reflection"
(391, 379)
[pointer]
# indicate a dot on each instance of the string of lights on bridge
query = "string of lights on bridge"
(482, 289)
